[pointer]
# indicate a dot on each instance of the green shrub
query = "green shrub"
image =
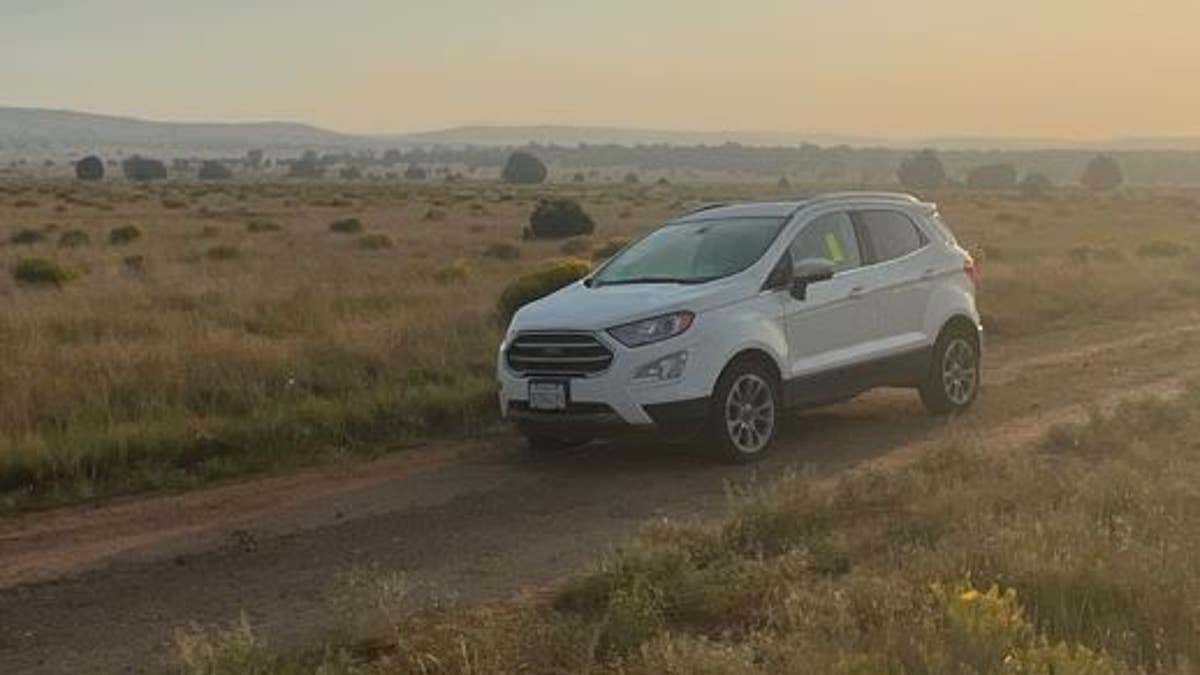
(558, 219)
(222, 252)
(139, 168)
(1163, 249)
(456, 272)
(346, 226)
(89, 168)
(576, 246)
(502, 250)
(124, 234)
(539, 283)
(74, 239)
(26, 237)
(435, 214)
(41, 271)
(375, 241)
(609, 248)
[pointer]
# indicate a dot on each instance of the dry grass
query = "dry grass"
(1080, 556)
(213, 344)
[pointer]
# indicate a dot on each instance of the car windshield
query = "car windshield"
(692, 252)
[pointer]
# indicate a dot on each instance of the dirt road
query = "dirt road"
(101, 588)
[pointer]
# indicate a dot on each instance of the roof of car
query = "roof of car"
(786, 208)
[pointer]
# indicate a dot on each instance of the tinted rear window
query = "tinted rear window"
(892, 234)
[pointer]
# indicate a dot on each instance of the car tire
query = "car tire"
(745, 412)
(954, 374)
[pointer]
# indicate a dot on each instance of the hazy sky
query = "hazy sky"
(898, 68)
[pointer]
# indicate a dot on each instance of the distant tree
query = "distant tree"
(631, 178)
(1102, 174)
(89, 168)
(211, 170)
(414, 172)
(1035, 186)
(306, 167)
(143, 168)
(524, 168)
(922, 171)
(783, 183)
(392, 157)
(254, 158)
(351, 172)
(579, 177)
(992, 177)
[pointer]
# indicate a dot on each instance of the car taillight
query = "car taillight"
(971, 269)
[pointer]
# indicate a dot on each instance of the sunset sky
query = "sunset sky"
(1079, 69)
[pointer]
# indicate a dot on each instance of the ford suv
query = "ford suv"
(714, 323)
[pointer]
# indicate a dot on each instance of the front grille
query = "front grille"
(566, 354)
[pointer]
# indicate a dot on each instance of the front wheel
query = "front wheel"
(745, 412)
(953, 381)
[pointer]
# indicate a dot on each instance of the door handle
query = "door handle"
(928, 273)
(856, 293)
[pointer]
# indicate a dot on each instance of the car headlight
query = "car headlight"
(653, 330)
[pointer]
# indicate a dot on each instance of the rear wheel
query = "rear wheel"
(745, 411)
(953, 381)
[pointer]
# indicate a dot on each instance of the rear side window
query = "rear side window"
(831, 237)
(890, 234)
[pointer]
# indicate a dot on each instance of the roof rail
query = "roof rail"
(883, 196)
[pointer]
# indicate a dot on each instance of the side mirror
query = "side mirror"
(809, 271)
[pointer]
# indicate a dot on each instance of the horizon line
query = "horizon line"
(861, 137)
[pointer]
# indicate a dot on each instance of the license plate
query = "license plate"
(548, 395)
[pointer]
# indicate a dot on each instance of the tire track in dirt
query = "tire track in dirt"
(477, 517)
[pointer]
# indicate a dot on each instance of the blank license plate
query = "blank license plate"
(548, 395)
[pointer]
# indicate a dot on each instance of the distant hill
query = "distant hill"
(36, 128)
(573, 136)
(63, 128)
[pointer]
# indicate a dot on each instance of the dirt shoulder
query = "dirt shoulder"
(101, 588)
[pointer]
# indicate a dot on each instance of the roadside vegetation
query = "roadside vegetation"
(1080, 555)
(167, 333)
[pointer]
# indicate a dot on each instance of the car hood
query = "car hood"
(578, 307)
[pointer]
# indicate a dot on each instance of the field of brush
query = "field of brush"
(172, 333)
(1079, 555)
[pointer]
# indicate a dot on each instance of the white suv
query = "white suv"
(711, 324)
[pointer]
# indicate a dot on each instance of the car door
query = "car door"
(830, 327)
(902, 265)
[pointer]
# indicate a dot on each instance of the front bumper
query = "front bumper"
(612, 401)
(677, 419)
